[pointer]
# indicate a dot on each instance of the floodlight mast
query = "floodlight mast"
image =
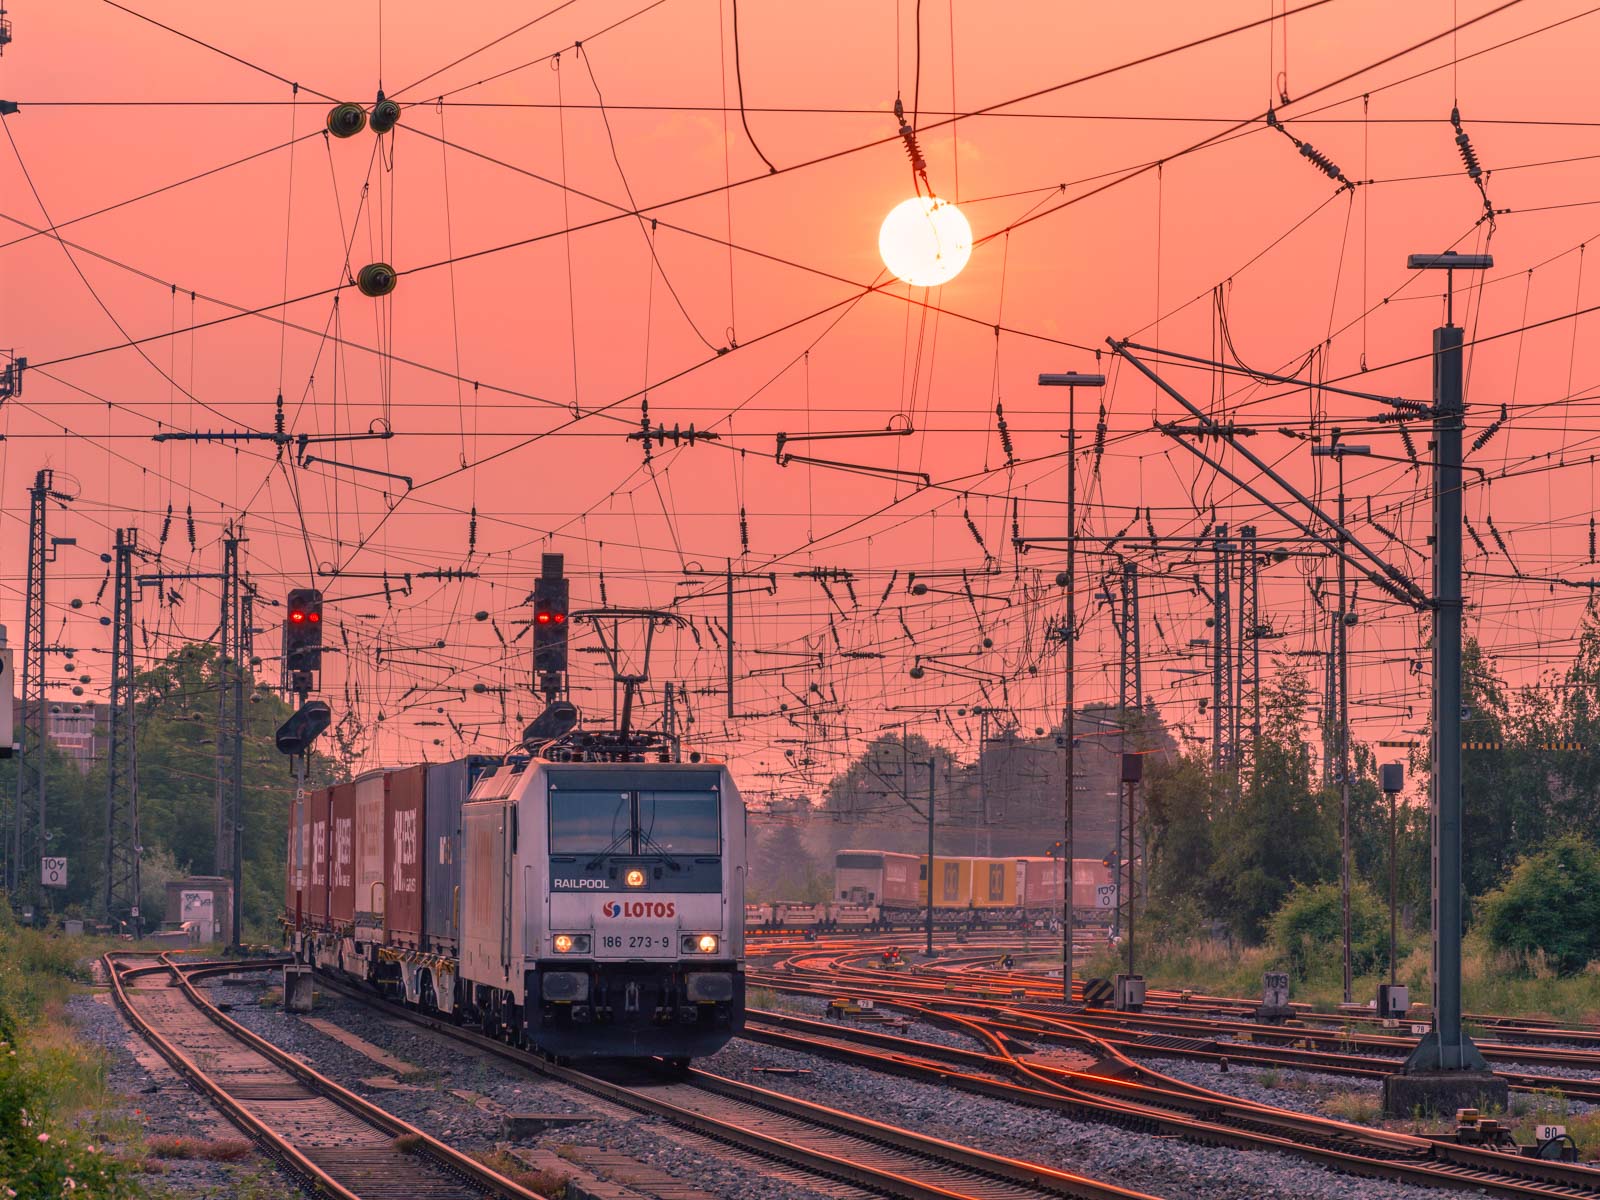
(1071, 380)
(1446, 1047)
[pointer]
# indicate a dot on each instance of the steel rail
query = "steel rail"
(1208, 1116)
(993, 1167)
(481, 1179)
(1117, 1029)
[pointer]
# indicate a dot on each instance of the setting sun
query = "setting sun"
(925, 241)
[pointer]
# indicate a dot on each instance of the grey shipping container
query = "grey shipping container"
(448, 785)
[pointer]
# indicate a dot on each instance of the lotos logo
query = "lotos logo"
(639, 908)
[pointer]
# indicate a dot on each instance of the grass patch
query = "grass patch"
(774, 1001)
(409, 1143)
(1493, 983)
(1359, 1108)
(1269, 1078)
(206, 1149)
(545, 1183)
(55, 1135)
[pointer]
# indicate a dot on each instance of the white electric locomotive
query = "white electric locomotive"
(602, 906)
(578, 900)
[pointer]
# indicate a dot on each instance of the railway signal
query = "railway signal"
(302, 638)
(304, 726)
(550, 596)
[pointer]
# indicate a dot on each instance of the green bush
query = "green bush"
(1550, 905)
(48, 1143)
(1307, 931)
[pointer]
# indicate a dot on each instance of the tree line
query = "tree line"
(176, 715)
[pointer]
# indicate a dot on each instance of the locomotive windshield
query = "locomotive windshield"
(634, 823)
(679, 822)
(591, 822)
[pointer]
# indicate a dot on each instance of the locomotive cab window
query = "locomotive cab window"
(591, 822)
(678, 823)
(635, 823)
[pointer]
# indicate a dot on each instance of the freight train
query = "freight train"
(886, 890)
(585, 904)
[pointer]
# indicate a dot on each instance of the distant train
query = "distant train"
(886, 889)
(583, 908)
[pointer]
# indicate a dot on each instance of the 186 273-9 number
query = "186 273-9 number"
(636, 941)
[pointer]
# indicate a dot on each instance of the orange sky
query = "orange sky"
(114, 108)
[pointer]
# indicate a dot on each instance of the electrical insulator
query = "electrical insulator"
(1321, 161)
(1482, 440)
(376, 279)
(385, 114)
(1476, 540)
(346, 120)
(908, 136)
(976, 536)
(1469, 157)
(1411, 447)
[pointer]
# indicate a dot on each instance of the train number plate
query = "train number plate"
(635, 944)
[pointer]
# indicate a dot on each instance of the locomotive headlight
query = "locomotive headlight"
(567, 943)
(563, 943)
(634, 877)
(700, 943)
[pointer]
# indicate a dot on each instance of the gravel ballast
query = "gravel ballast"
(162, 1105)
(1163, 1166)
(473, 1122)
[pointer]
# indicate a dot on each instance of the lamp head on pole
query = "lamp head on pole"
(1071, 379)
(1449, 262)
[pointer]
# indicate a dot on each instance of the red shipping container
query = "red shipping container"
(342, 854)
(402, 857)
(297, 864)
(316, 897)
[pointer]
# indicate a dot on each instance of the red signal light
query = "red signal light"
(296, 617)
(542, 618)
(314, 617)
(558, 617)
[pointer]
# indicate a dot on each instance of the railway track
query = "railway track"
(340, 1145)
(825, 1141)
(1178, 1034)
(1119, 1091)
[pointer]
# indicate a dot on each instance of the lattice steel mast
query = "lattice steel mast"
(122, 773)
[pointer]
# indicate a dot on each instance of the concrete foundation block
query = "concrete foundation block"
(297, 984)
(1441, 1093)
